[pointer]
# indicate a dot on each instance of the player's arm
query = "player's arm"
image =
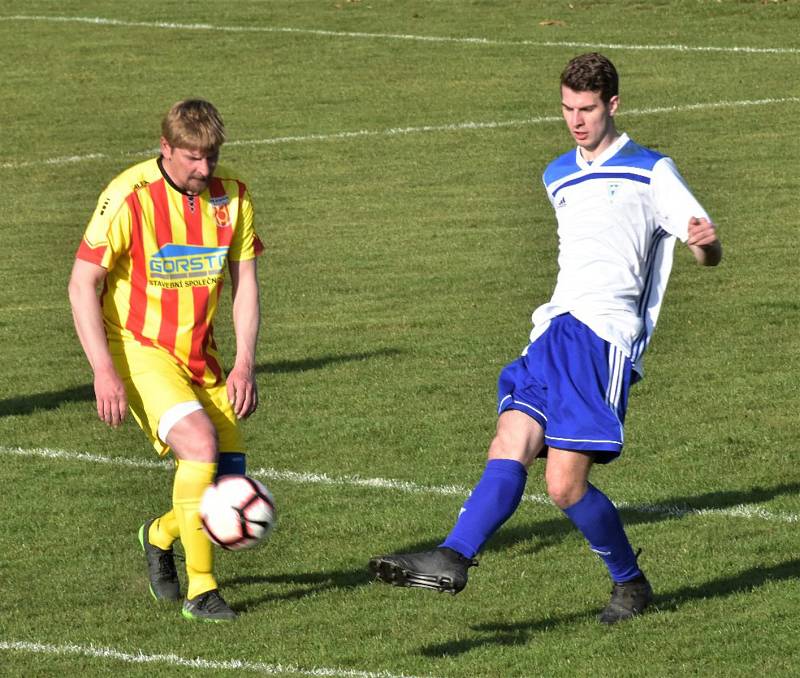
(678, 210)
(241, 383)
(112, 403)
(703, 241)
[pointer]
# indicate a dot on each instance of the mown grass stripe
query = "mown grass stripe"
(420, 129)
(747, 511)
(171, 25)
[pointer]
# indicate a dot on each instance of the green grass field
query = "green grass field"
(394, 151)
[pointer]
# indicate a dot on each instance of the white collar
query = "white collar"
(610, 152)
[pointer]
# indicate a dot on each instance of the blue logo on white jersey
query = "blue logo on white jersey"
(562, 202)
(180, 262)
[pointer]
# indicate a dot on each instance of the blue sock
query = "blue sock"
(598, 520)
(494, 499)
(231, 463)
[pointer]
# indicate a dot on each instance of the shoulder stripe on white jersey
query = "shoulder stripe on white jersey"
(630, 176)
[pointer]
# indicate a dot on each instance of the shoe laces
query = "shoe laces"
(629, 593)
(466, 562)
(212, 601)
(621, 586)
(166, 564)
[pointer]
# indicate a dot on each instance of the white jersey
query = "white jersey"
(618, 218)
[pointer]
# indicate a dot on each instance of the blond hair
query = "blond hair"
(193, 124)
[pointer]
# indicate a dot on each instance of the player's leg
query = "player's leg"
(155, 386)
(567, 475)
(163, 531)
(207, 443)
(231, 459)
(493, 500)
(194, 445)
(517, 442)
(587, 397)
(592, 512)
(168, 407)
(193, 440)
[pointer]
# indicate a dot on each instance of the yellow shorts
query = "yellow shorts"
(155, 383)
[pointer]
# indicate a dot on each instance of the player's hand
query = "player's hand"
(701, 232)
(112, 402)
(242, 392)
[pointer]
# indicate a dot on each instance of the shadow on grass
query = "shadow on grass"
(46, 401)
(546, 533)
(521, 633)
(54, 399)
(302, 585)
(542, 534)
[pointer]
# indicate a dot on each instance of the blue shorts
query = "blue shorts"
(574, 384)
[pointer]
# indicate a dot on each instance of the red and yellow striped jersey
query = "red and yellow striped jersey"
(165, 252)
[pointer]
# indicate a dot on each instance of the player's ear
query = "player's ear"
(166, 149)
(613, 105)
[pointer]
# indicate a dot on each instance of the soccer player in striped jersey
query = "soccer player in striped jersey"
(158, 244)
(620, 208)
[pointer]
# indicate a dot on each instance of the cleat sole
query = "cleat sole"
(393, 574)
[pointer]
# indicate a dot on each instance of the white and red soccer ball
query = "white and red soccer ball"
(237, 512)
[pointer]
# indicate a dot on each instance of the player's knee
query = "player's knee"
(199, 448)
(194, 439)
(501, 448)
(205, 449)
(564, 491)
(507, 445)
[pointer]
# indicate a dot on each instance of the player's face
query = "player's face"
(189, 169)
(590, 120)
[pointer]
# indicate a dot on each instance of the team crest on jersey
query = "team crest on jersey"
(613, 189)
(222, 214)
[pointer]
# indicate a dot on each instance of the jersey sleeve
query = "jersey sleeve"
(546, 190)
(674, 202)
(245, 244)
(108, 233)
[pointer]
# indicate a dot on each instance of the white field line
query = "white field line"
(139, 657)
(749, 511)
(398, 131)
(102, 21)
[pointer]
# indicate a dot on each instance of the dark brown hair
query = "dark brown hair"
(591, 72)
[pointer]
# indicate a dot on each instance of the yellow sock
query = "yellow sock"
(191, 480)
(164, 530)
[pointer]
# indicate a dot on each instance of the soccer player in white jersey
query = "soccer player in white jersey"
(620, 208)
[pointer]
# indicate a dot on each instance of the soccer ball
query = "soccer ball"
(237, 512)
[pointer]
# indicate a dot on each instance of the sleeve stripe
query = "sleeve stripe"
(93, 255)
(258, 246)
